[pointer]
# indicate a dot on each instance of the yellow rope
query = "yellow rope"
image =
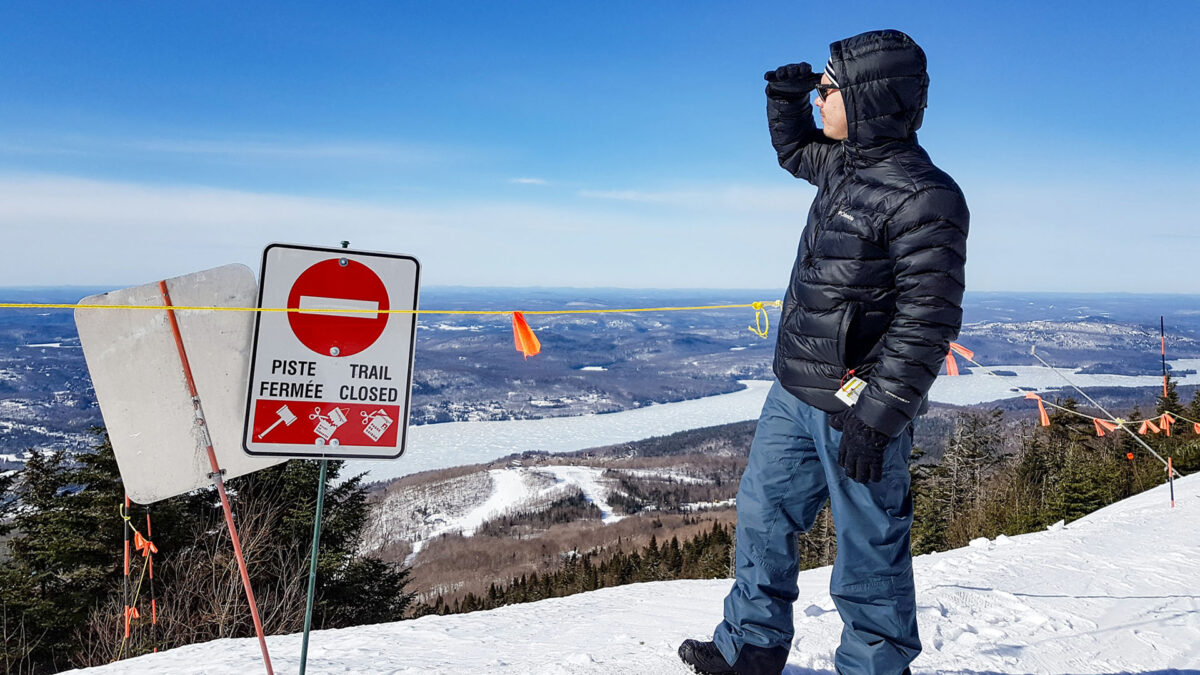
(759, 311)
(36, 305)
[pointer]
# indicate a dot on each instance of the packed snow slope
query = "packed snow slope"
(1115, 592)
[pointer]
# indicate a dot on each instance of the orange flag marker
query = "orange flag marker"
(1045, 419)
(1148, 426)
(143, 544)
(526, 342)
(966, 353)
(1165, 422)
(130, 613)
(1196, 427)
(951, 364)
(1102, 426)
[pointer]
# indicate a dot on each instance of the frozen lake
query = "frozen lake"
(979, 387)
(436, 446)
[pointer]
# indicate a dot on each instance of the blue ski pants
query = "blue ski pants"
(792, 470)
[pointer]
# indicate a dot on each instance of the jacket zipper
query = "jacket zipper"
(828, 215)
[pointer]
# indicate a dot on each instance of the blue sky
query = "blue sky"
(573, 144)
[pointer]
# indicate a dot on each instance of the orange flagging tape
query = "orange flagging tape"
(1103, 425)
(955, 347)
(526, 342)
(951, 364)
(130, 613)
(1148, 426)
(1165, 422)
(144, 545)
(1041, 408)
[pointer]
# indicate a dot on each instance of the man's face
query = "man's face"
(833, 113)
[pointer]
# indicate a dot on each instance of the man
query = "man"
(873, 303)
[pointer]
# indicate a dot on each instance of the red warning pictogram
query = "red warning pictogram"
(343, 307)
(314, 423)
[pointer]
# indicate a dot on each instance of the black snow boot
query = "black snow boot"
(754, 660)
(704, 658)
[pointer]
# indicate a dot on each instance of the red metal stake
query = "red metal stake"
(1171, 480)
(153, 602)
(216, 476)
(125, 528)
(1162, 332)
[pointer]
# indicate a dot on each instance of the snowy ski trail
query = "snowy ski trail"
(1114, 592)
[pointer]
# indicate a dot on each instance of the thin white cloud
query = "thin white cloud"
(529, 181)
(732, 198)
(236, 147)
(1102, 236)
(72, 231)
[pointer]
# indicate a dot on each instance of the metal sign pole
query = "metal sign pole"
(312, 567)
(216, 475)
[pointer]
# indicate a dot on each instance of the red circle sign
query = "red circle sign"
(348, 304)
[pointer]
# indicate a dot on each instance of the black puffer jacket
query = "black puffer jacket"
(878, 282)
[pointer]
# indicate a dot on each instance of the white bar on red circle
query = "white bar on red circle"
(358, 309)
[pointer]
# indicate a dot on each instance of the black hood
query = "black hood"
(883, 79)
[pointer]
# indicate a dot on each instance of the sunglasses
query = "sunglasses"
(823, 90)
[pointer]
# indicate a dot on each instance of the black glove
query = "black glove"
(795, 80)
(861, 451)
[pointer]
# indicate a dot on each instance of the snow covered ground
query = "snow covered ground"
(1115, 592)
(478, 498)
(594, 489)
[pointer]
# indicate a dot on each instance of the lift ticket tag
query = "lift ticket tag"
(331, 366)
(850, 390)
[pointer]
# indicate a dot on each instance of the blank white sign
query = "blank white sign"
(143, 394)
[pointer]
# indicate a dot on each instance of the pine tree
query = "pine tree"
(1170, 403)
(1082, 488)
(8, 501)
(65, 558)
(351, 589)
(947, 497)
(928, 532)
(62, 582)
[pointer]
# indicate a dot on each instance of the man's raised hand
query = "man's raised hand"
(791, 81)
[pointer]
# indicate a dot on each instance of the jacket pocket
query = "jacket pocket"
(812, 336)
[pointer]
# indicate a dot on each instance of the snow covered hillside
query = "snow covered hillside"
(1115, 592)
(463, 504)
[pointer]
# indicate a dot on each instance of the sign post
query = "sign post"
(341, 350)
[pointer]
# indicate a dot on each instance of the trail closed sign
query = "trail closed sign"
(330, 378)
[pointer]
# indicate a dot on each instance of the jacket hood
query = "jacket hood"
(884, 84)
